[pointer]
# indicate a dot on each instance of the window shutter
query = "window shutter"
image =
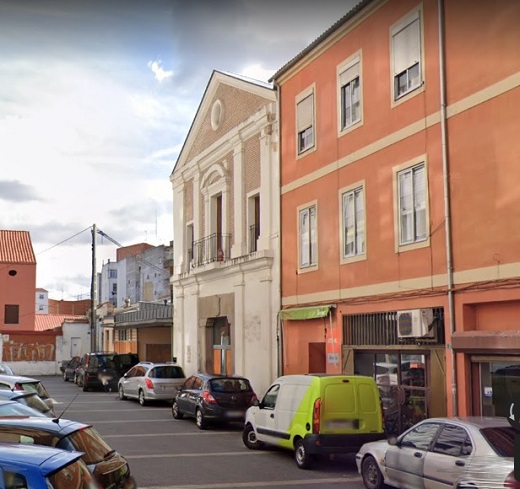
(313, 235)
(360, 222)
(349, 74)
(305, 113)
(419, 184)
(304, 238)
(406, 206)
(407, 47)
(348, 211)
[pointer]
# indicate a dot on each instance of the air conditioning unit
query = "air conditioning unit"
(415, 323)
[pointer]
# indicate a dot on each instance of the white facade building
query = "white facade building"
(226, 194)
(42, 301)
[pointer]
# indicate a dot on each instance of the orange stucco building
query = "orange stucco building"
(17, 281)
(400, 204)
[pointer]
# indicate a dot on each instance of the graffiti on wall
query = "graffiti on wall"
(21, 351)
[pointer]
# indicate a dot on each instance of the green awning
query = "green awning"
(309, 312)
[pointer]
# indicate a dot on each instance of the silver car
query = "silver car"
(27, 384)
(457, 452)
(149, 381)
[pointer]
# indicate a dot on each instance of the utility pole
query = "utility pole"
(94, 339)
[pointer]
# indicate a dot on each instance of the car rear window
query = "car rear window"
(73, 476)
(36, 387)
(230, 385)
(102, 360)
(502, 440)
(86, 440)
(167, 372)
(33, 401)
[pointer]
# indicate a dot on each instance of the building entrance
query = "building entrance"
(402, 380)
(496, 384)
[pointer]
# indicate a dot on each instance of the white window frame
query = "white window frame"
(210, 192)
(414, 210)
(307, 237)
(406, 57)
(349, 71)
(305, 122)
(358, 219)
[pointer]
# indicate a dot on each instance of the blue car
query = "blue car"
(38, 467)
(107, 465)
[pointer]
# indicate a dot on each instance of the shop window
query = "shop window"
(402, 380)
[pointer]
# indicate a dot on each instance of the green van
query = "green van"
(316, 414)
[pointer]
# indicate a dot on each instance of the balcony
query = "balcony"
(254, 233)
(213, 248)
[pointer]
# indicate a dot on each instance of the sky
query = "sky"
(96, 101)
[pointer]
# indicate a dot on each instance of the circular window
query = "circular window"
(217, 114)
(12, 273)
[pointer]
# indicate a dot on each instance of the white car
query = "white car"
(454, 453)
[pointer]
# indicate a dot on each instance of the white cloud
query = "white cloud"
(258, 72)
(158, 71)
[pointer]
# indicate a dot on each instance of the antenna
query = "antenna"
(57, 420)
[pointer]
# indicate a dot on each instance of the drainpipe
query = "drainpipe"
(279, 321)
(447, 214)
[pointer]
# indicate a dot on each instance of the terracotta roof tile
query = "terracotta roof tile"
(43, 322)
(16, 247)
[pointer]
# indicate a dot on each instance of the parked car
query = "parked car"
(10, 407)
(38, 467)
(97, 370)
(109, 467)
(124, 362)
(27, 384)
(213, 398)
(6, 369)
(457, 452)
(68, 368)
(30, 399)
(95, 366)
(316, 414)
(149, 381)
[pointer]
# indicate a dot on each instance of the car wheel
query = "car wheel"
(142, 399)
(65, 378)
(200, 421)
(372, 476)
(249, 438)
(302, 458)
(121, 393)
(175, 411)
(79, 381)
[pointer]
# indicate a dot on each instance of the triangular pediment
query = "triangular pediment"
(228, 101)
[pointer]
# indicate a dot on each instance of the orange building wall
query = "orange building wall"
(483, 95)
(18, 290)
(137, 249)
(76, 308)
(29, 347)
(380, 120)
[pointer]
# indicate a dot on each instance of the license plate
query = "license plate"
(343, 424)
(234, 414)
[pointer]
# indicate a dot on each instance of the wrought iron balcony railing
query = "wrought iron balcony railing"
(212, 248)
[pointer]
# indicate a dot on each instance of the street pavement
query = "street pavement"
(165, 453)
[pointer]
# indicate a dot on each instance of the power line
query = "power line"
(64, 241)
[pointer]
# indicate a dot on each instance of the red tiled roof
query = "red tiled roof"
(43, 322)
(16, 247)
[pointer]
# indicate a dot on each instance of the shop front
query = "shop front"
(409, 370)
